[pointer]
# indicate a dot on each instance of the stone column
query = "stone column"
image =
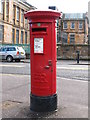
(15, 37)
(4, 5)
(19, 36)
(15, 14)
(24, 22)
(10, 11)
(24, 37)
(68, 38)
(20, 17)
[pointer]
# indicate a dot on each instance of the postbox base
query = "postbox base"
(43, 104)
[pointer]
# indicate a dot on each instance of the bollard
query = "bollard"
(78, 56)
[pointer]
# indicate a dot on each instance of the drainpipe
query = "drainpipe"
(86, 28)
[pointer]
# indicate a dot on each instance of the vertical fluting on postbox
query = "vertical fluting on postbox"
(43, 97)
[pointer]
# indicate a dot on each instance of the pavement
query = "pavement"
(72, 96)
(72, 99)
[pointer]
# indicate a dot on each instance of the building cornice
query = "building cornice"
(23, 5)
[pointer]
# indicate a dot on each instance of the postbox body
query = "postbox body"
(43, 59)
(43, 52)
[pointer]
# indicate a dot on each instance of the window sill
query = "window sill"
(72, 28)
(80, 28)
(1, 13)
(17, 20)
(65, 28)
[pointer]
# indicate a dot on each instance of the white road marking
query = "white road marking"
(72, 79)
(73, 68)
(18, 66)
(16, 75)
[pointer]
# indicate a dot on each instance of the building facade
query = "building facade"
(89, 22)
(74, 28)
(14, 28)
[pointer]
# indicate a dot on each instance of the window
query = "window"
(72, 38)
(1, 6)
(11, 49)
(25, 21)
(74, 16)
(17, 13)
(80, 25)
(3, 49)
(64, 37)
(65, 25)
(13, 11)
(25, 37)
(7, 8)
(17, 36)
(13, 35)
(72, 25)
(22, 15)
(21, 36)
(1, 33)
(14, 14)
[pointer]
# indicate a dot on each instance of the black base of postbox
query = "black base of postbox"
(43, 104)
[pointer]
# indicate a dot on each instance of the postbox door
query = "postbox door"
(41, 64)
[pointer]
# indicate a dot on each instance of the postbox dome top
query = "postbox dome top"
(40, 14)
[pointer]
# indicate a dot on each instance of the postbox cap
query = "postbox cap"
(41, 14)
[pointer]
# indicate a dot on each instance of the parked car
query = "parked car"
(11, 53)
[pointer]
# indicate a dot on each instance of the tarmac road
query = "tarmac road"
(65, 69)
(71, 89)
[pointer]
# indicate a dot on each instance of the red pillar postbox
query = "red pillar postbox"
(43, 96)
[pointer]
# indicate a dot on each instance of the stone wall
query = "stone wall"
(70, 51)
(89, 35)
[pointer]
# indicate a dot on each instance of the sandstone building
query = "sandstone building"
(14, 28)
(74, 28)
(89, 22)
